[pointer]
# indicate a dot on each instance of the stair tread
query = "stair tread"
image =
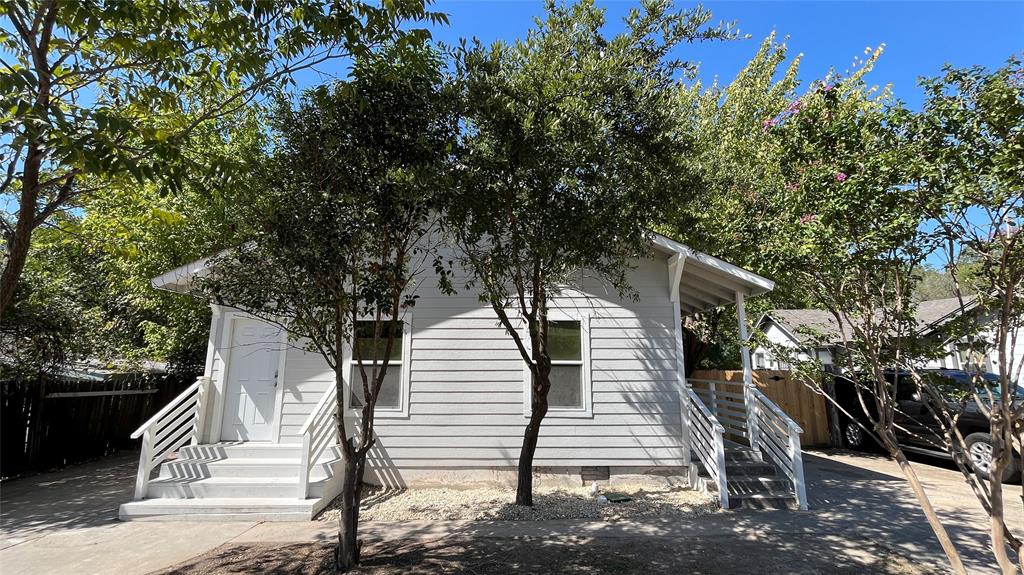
(225, 502)
(763, 495)
(231, 480)
(243, 460)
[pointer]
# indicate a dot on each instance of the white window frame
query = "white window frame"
(404, 365)
(587, 410)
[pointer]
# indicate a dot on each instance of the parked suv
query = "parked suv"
(916, 427)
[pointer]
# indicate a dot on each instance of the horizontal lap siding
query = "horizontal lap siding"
(466, 396)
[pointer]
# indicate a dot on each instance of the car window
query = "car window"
(905, 388)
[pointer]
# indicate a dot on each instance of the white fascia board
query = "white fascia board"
(758, 283)
(179, 275)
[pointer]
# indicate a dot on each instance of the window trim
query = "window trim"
(585, 363)
(405, 366)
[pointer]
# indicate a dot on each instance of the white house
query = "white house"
(809, 333)
(254, 436)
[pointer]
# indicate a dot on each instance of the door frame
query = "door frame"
(220, 382)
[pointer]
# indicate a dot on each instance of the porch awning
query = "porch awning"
(706, 282)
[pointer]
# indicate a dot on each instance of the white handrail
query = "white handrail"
(328, 396)
(710, 446)
(314, 431)
(778, 412)
(177, 423)
(166, 409)
(784, 450)
(777, 434)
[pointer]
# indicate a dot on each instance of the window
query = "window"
(570, 380)
(392, 397)
(759, 362)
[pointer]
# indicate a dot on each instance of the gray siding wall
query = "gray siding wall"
(467, 391)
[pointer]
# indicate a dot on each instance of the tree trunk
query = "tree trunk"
(524, 483)
(16, 253)
(835, 430)
(1001, 459)
(349, 545)
(925, 503)
(540, 384)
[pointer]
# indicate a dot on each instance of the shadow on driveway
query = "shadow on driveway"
(85, 495)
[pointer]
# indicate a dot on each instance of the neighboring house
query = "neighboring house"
(255, 437)
(806, 334)
(814, 333)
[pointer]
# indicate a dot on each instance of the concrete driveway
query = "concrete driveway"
(67, 521)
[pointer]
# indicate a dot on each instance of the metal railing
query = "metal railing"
(707, 440)
(179, 422)
(319, 432)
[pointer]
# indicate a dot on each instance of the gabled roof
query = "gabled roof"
(932, 314)
(806, 325)
(705, 281)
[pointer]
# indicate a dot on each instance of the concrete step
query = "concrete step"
(251, 450)
(245, 467)
(223, 509)
(232, 488)
(766, 500)
(754, 485)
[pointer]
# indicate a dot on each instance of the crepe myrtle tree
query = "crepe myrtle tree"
(572, 141)
(339, 225)
(854, 222)
(732, 216)
(93, 90)
(970, 151)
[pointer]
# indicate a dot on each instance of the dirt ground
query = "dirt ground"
(495, 504)
(791, 554)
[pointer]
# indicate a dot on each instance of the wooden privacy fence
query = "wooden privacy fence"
(52, 422)
(803, 404)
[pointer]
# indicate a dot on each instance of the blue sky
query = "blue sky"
(919, 36)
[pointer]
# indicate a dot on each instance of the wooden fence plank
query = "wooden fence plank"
(52, 423)
(802, 403)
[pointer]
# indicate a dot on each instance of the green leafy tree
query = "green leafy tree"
(854, 220)
(573, 142)
(96, 262)
(970, 144)
(733, 214)
(93, 90)
(338, 225)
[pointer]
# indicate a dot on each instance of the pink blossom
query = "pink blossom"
(791, 187)
(828, 88)
(769, 123)
(808, 218)
(795, 106)
(840, 177)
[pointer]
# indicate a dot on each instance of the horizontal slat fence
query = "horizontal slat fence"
(800, 402)
(49, 423)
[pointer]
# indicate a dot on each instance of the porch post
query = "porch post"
(749, 397)
(675, 272)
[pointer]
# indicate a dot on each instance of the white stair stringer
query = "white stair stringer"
(237, 481)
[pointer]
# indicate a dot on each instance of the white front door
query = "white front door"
(250, 392)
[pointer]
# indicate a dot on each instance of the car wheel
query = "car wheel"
(853, 435)
(979, 453)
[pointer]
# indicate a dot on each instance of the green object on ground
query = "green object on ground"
(618, 497)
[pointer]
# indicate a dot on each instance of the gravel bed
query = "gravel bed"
(496, 504)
